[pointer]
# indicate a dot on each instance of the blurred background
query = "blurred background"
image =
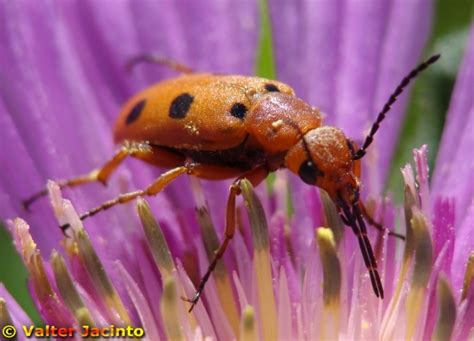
(424, 121)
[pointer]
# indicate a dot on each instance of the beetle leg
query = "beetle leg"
(377, 225)
(99, 174)
(154, 188)
(149, 58)
(255, 176)
(136, 149)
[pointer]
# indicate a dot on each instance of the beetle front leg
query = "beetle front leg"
(376, 224)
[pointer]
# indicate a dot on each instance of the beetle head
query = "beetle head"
(324, 157)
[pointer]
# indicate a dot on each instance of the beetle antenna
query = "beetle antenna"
(392, 99)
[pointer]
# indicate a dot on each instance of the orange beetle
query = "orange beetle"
(218, 127)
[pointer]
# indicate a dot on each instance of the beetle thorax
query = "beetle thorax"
(278, 120)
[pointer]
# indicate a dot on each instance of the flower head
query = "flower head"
(283, 276)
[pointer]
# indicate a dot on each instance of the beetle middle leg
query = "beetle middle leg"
(196, 169)
(255, 176)
(154, 188)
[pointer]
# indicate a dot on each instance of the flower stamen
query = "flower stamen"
(447, 311)
(68, 291)
(331, 268)
(170, 310)
(248, 330)
(262, 266)
(53, 308)
(5, 318)
(112, 302)
(468, 276)
(155, 239)
(331, 217)
(423, 263)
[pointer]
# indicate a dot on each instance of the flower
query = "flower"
(274, 274)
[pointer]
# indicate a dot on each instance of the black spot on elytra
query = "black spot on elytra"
(180, 106)
(135, 113)
(271, 87)
(238, 110)
(309, 172)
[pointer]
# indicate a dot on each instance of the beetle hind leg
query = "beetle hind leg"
(156, 59)
(101, 175)
(139, 150)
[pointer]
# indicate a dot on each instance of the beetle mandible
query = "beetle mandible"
(221, 126)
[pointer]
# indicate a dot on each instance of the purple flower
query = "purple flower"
(62, 83)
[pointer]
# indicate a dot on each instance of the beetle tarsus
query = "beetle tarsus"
(397, 235)
(193, 300)
(32, 199)
(26, 205)
(64, 228)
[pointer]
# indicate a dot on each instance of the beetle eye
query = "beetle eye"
(308, 172)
